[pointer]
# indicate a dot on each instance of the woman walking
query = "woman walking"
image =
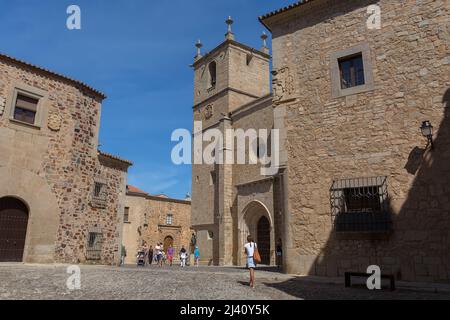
(196, 255)
(250, 248)
(170, 252)
(183, 256)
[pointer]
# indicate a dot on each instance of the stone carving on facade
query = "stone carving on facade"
(54, 122)
(208, 112)
(283, 84)
(2, 105)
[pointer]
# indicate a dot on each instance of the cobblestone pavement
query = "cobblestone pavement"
(19, 281)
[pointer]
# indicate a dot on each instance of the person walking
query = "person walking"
(183, 256)
(250, 248)
(150, 255)
(279, 253)
(158, 255)
(196, 256)
(123, 255)
(159, 252)
(170, 252)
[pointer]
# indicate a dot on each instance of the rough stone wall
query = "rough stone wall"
(147, 223)
(63, 154)
(368, 134)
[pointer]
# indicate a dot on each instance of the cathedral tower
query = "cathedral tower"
(230, 76)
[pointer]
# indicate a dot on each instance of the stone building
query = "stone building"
(358, 184)
(151, 219)
(61, 199)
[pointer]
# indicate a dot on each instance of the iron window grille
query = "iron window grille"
(99, 195)
(94, 246)
(361, 205)
(169, 219)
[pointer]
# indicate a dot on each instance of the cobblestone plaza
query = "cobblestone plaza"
(45, 282)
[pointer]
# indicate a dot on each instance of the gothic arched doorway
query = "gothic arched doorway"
(263, 236)
(13, 229)
(256, 221)
(168, 241)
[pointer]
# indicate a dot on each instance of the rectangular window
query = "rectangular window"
(25, 109)
(98, 189)
(99, 194)
(352, 71)
(169, 219)
(94, 246)
(361, 205)
(126, 215)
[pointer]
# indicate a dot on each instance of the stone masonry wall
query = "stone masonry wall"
(375, 133)
(147, 223)
(62, 153)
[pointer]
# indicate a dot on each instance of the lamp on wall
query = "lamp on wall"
(427, 132)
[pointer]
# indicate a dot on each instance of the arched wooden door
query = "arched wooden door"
(264, 240)
(13, 229)
(168, 241)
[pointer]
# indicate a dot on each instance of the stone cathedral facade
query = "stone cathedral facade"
(361, 180)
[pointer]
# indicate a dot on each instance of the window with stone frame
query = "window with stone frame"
(169, 219)
(94, 245)
(361, 205)
(99, 194)
(352, 71)
(25, 108)
(126, 215)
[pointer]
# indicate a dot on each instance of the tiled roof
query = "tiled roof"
(134, 189)
(75, 82)
(108, 155)
(287, 8)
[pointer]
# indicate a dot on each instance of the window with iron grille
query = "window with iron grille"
(99, 195)
(361, 205)
(94, 246)
(98, 189)
(169, 219)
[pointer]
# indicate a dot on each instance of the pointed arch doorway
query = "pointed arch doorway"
(256, 220)
(13, 229)
(263, 240)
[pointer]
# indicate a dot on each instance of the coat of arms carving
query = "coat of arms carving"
(54, 122)
(208, 112)
(283, 84)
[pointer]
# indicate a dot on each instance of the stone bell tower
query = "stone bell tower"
(228, 77)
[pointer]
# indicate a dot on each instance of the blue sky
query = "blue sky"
(138, 52)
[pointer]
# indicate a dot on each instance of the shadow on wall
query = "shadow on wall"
(418, 249)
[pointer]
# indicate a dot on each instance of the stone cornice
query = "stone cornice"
(224, 91)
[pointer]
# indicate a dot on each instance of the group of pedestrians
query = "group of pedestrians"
(161, 257)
